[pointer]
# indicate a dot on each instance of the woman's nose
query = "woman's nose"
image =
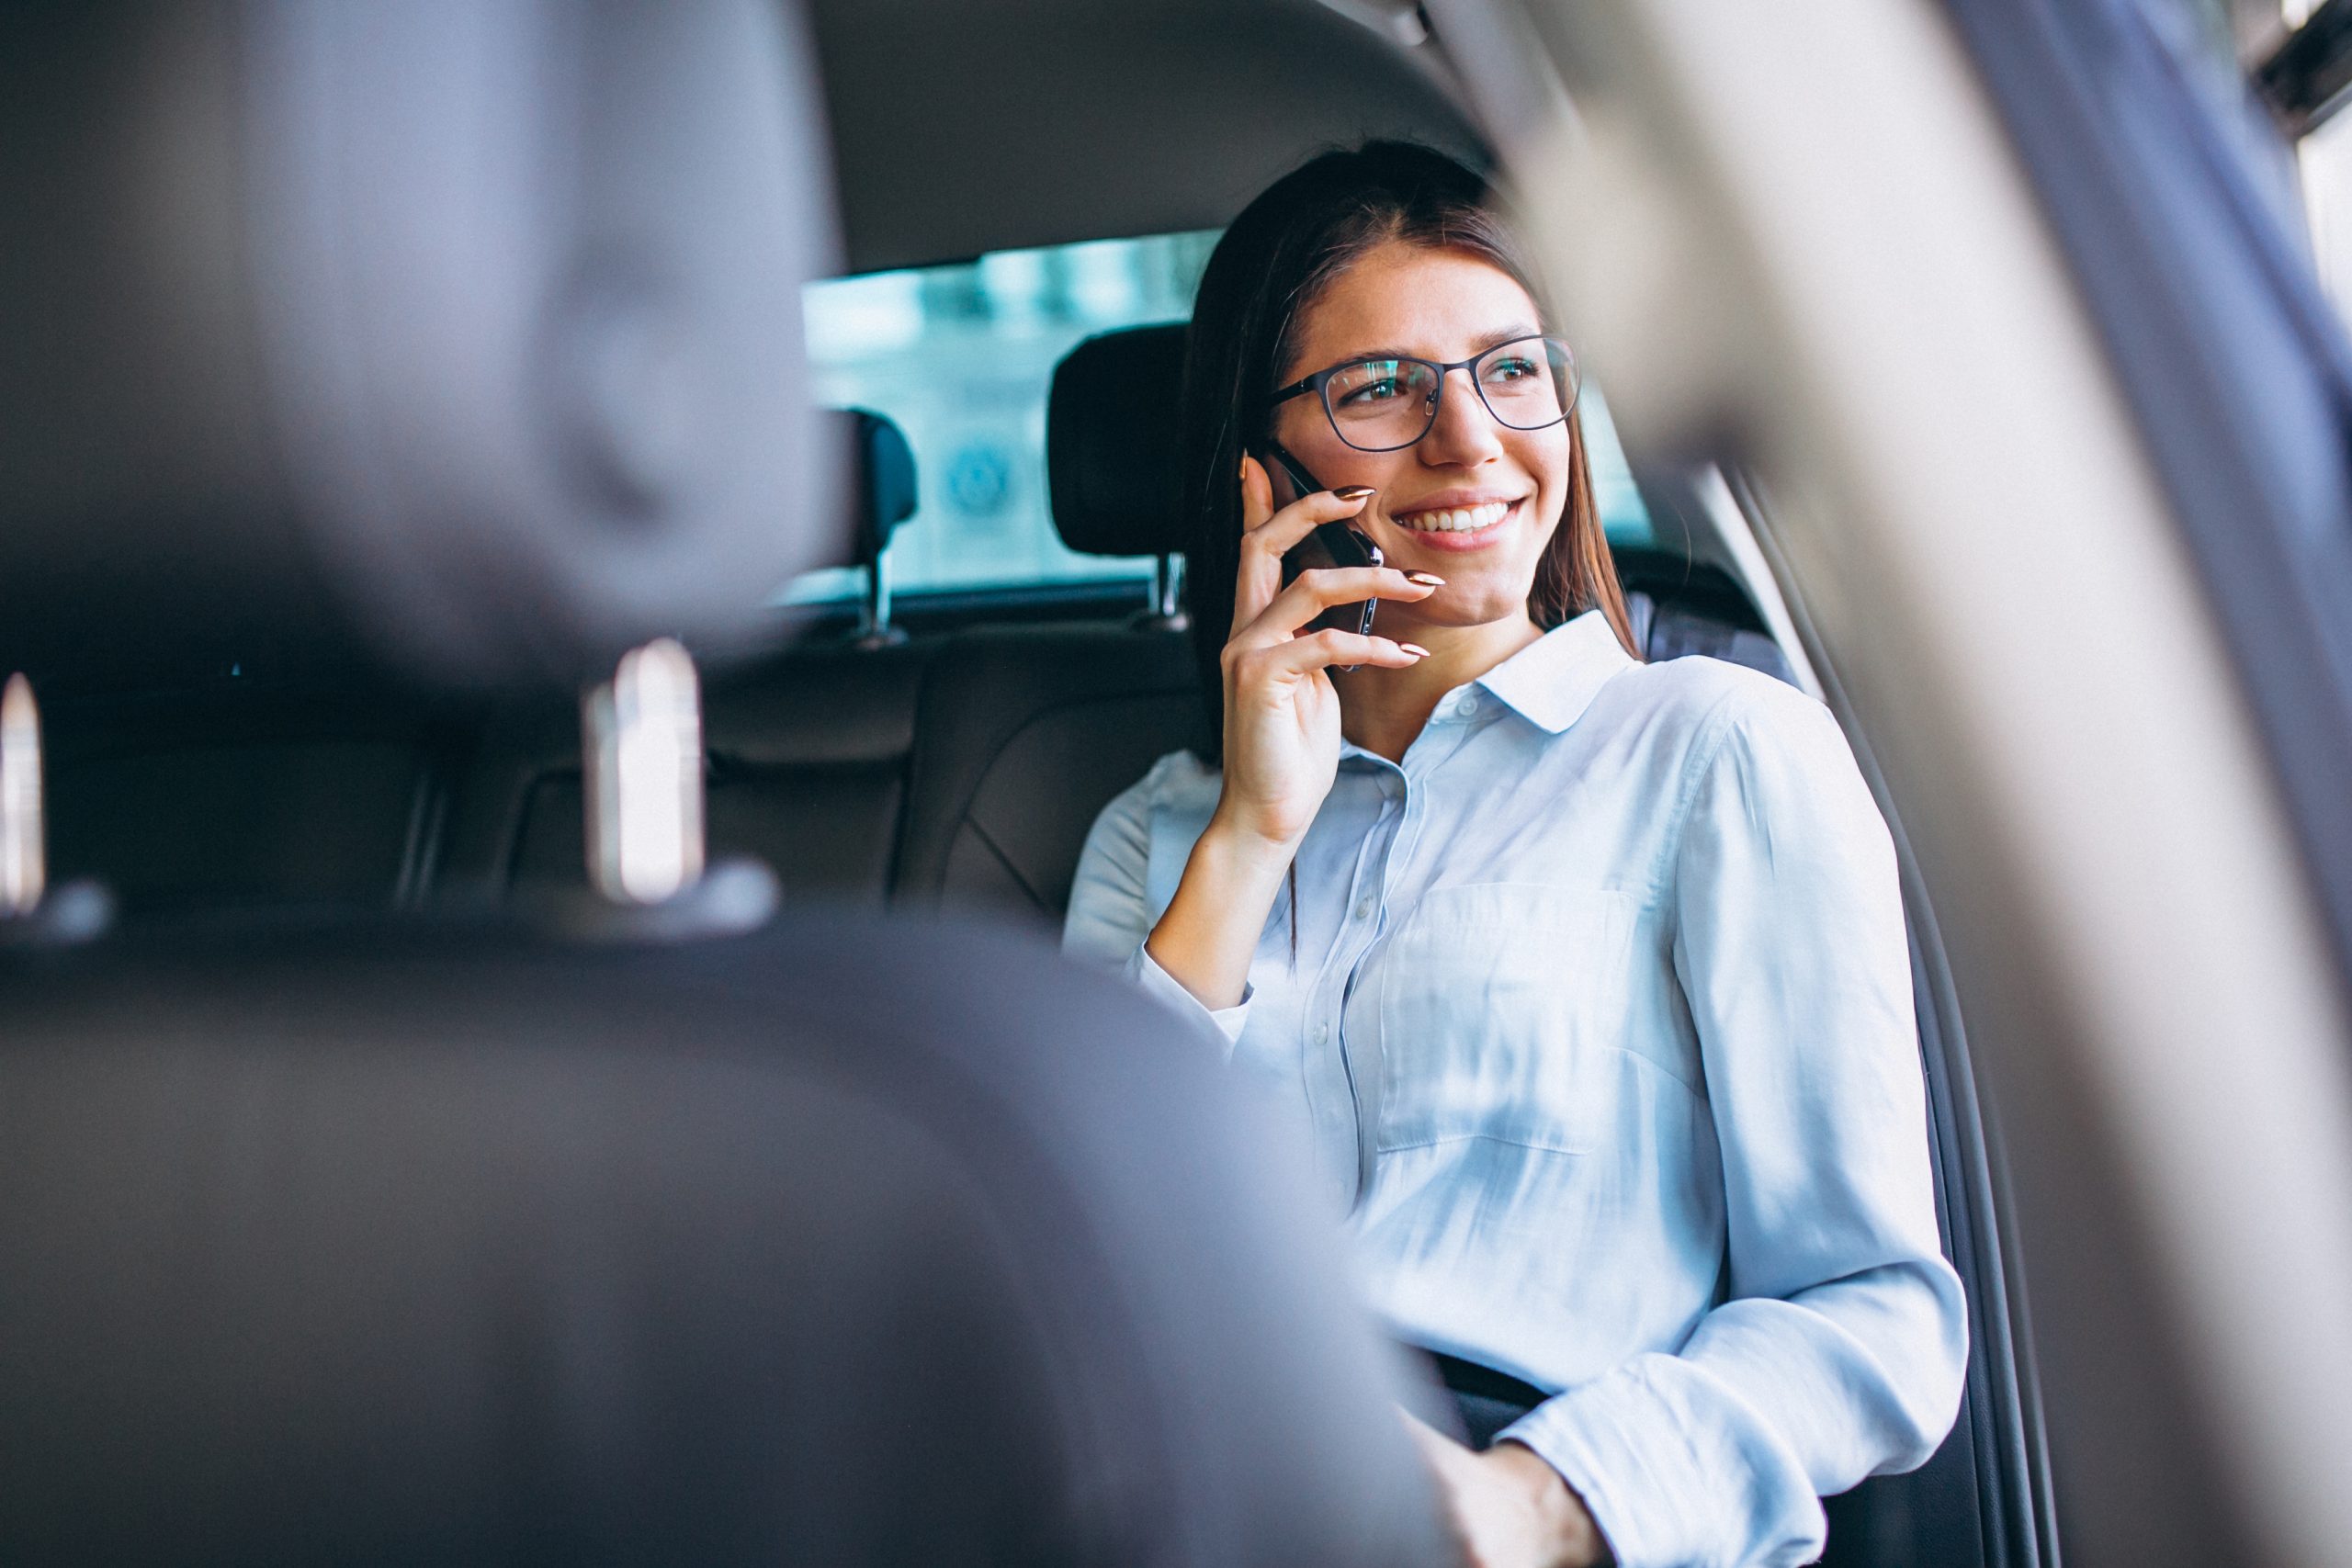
(1463, 431)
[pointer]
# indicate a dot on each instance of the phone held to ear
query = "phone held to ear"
(1346, 545)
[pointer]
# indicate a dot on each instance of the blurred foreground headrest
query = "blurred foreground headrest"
(465, 334)
(1111, 442)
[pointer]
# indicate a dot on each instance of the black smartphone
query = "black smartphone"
(1346, 545)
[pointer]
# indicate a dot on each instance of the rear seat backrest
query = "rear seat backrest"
(806, 748)
(1025, 733)
(807, 770)
(248, 791)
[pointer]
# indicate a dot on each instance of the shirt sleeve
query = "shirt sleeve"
(1840, 1348)
(1110, 913)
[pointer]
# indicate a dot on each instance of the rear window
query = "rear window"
(961, 356)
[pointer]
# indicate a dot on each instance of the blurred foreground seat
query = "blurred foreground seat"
(450, 336)
(847, 1242)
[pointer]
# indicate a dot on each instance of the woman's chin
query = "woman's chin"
(1457, 606)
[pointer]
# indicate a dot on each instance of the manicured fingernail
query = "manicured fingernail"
(1426, 579)
(1415, 648)
(1354, 492)
(1244, 470)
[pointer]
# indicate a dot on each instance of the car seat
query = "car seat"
(461, 338)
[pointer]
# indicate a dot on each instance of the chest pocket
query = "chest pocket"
(1499, 1004)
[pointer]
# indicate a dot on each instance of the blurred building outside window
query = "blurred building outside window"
(2325, 162)
(961, 356)
(2240, 36)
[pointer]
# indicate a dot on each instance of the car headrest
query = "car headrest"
(465, 334)
(881, 470)
(1111, 442)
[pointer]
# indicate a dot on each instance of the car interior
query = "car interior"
(960, 763)
(901, 748)
(583, 1229)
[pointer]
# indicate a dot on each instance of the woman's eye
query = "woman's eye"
(1371, 389)
(1514, 368)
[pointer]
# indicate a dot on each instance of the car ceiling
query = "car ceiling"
(965, 126)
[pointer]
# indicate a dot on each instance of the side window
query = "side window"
(961, 356)
(1622, 516)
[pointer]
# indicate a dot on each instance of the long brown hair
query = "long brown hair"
(1275, 260)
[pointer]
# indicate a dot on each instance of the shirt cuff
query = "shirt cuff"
(1145, 971)
(1667, 1479)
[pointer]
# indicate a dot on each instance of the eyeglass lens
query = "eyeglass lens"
(1379, 405)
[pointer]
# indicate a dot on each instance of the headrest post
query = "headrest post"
(1168, 590)
(32, 913)
(874, 627)
(24, 872)
(1166, 611)
(642, 761)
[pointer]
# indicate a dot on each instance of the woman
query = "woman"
(1584, 978)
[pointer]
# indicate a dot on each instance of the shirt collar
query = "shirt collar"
(1553, 679)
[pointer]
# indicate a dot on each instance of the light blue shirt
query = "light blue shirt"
(1600, 1026)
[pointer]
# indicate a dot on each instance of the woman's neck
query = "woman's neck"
(1384, 710)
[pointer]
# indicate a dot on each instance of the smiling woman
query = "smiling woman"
(1585, 979)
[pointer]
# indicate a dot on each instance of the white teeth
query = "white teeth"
(1458, 520)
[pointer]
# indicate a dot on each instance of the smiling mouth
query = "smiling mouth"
(1456, 519)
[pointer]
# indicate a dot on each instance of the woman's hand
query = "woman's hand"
(1282, 714)
(1509, 1508)
(1282, 735)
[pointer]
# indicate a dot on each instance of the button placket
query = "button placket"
(1368, 889)
(1332, 1093)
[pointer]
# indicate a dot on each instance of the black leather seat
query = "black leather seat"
(324, 785)
(842, 1243)
(256, 789)
(808, 748)
(445, 1239)
(1025, 733)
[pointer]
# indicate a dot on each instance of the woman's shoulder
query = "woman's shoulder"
(1180, 774)
(1771, 748)
(1708, 699)
(1179, 781)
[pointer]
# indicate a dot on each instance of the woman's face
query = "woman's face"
(1442, 304)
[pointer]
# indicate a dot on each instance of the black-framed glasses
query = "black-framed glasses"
(1382, 405)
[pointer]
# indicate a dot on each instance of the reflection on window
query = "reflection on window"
(961, 357)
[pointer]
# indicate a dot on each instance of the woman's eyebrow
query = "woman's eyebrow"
(1509, 335)
(1490, 340)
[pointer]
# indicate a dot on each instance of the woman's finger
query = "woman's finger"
(1259, 579)
(1256, 493)
(1319, 588)
(1272, 535)
(1324, 649)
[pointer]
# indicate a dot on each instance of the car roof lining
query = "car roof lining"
(960, 129)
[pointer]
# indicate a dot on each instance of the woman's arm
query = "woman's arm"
(1111, 902)
(1282, 735)
(1841, 1349)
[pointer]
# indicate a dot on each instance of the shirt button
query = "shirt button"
(1364, 910)
(1468, 704)
(1322, 1033)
